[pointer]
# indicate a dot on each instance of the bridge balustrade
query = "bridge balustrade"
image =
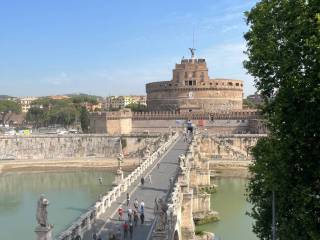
(83, 223)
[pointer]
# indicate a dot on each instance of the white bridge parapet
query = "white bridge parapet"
(83, 223)
(176, 201)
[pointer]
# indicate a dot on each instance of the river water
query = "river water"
(69, 193)
(230, 202)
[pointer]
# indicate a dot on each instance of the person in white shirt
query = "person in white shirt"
(142, 206)
(150, 180)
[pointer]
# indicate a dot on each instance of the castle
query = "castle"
(192, 90)
(211, 104)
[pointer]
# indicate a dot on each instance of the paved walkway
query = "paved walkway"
(159, 187)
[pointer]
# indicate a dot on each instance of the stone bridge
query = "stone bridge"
(186, 199)
(188, 202)
(101, 217)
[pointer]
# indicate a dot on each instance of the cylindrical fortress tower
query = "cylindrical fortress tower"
(191, 89)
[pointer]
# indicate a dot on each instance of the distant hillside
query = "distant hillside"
(83, 94)
(5, 97)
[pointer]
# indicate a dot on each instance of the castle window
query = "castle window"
(186, 83)
(194, 82)
(190, 83)
(169, 84)
(230, 83)
(237, 84)
(241, 84)
(217, 83)
(211, 83)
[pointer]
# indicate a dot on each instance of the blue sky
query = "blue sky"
(114, 47)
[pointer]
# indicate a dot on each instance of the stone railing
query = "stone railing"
(84, 222)
(174, 200)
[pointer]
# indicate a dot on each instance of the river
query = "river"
(230, 202)
(69, 193)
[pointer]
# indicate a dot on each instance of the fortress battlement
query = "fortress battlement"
(192, 89)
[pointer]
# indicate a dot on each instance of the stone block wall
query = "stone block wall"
(112, 123)
(201, 202)
(65, 147)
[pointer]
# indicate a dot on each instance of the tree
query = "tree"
(63, 114)
(137, 107)
(7, 107)
(283, 48)
(251, 104)
(84, 119)
(46, 111)
(36, 116)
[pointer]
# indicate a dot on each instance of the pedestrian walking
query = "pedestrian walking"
(142, 181)
(136, 204)
(94, 236)
(184, 136)
(118, 234)
(120, 213)
(158, 165)
(142, 218)
(128, 199)
(129, 214)
(112, 237)
(125, 230)
(142, 206)
(131, 230)
(170, 182)
(135, 218)
(150, 179)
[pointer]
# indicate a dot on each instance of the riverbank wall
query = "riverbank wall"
(79, 146)
(239, 169)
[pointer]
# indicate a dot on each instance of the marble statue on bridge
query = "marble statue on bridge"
(42, 213)
(161, 208)
(44, 229)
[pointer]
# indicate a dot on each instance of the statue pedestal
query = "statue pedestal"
(118, 178)
(44, 233)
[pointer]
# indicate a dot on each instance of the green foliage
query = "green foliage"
(63, 114)
(206, 219)
(283, 56)
(79, 99)
(251, 104)
(135, 107)
(84, 119)
(46, 111)
(199, 232)
(37, 116)
(208, 189)
(7, 106)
